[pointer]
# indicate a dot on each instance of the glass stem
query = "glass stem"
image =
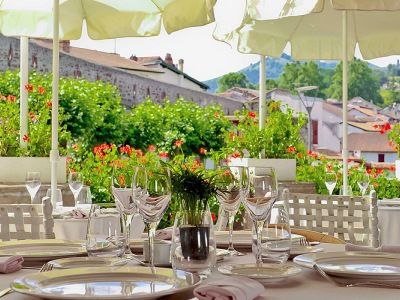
(231, 220)
(259, 225)
(151, 228)
(127, 223)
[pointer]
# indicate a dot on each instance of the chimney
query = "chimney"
(180, 64)
(65, 46)
(168, 59)
(133, 57)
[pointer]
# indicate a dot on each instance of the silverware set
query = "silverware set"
(45, 268)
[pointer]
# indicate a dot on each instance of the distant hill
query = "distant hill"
(274, 68)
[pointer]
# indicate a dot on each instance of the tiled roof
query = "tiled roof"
(366, 126)
(369, 142)
(100, 58)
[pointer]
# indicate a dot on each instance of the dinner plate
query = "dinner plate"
(358, 264)
(265, 272)
(107, 283)
(85, 262)
(42, 249)
(297, 249)
(242, 239)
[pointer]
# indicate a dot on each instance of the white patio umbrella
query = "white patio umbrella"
(315, 29)
(63, 19)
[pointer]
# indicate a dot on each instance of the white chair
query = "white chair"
(24, 221)
(352, 219)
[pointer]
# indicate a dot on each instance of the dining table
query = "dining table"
(307, 285)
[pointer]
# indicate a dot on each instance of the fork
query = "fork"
(355, 284)
(304, 242)
(45, 268)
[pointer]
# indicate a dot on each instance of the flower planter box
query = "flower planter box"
(13, 169)
(285, 168)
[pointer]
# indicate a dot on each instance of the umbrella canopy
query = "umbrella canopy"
(105, 19)
(315, 29)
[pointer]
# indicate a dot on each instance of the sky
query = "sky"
(205, 58)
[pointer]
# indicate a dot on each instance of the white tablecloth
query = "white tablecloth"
(75, 229)
(308, 285)
(389, 225)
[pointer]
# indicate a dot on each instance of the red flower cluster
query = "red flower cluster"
(163, 154)
(251, 114)
(312, 154)
(392, 168)
(29, 88)
(139, 153)
(11, 99)
(151, 148)
(178, 143)
(383, 128)
(203, 151)
(235, 154)
(291, 149)
(41, 90)
(49, 104)
(125, 150)
(33, 117)
(25, 138)
(101, 150)
(213, 217)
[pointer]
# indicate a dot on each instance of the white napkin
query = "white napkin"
(164, 234)
(9, 264)
(383, 248)
(230, 288)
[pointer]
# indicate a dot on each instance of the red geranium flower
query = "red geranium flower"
(392, 168)
(291, 149)
(125, 150)
(29, 88)
(11, 98)
(163, 154)
(49, 104)
(299, 155)
(178, 143)
(75, 147)
(203, 151)
(151, 148)
(25, 138)
(251, 114)
(41, 90)
(213, 217)
(235, 154)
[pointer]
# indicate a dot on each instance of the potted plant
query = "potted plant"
(394, 138)
(193, 239)
(275, 145)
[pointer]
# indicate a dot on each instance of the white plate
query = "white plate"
(105, 283)
(42, 249)
(354, 264)
(297, 249)
(86, 262)
(266, 272)
(243, 238)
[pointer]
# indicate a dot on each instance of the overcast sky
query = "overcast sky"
(204, 57)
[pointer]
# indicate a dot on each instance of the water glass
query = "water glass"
(330, 181)
(363, 182)
(75, 181)
(106, 235)
(259, 198)
(276, 240)
(32, 183)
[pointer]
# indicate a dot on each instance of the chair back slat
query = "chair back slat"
(352, 219)
(25, 221)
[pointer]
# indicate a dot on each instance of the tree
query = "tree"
(232, 80)
(302, 74)
(362, 82)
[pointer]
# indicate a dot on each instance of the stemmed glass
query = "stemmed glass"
(121, 188)
(330, 181)
(363, 183)
(32, 183)
(229, 196)
(259, 197)
(75, 181)
(152, 194)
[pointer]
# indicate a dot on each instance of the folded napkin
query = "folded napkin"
(383, 248)
(232, 288)
(9, 264)
(164, 234)
(78, 213)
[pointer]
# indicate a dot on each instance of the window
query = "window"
(381, 157)
(315, 132)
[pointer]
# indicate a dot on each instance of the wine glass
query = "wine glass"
(228, 194)
(152, 194)
(259, 197)
(75, 181)
(121, 188)
(330, 181)
(106, 236)
(32, 183)
(363, 182)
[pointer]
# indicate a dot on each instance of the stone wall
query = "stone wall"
(133, 88)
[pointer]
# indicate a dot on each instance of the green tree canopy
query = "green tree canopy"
(362, 82)
(233, 80)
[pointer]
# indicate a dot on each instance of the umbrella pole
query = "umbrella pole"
(23, 93)
(345, 153)
(54, 154)
(261, 102)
